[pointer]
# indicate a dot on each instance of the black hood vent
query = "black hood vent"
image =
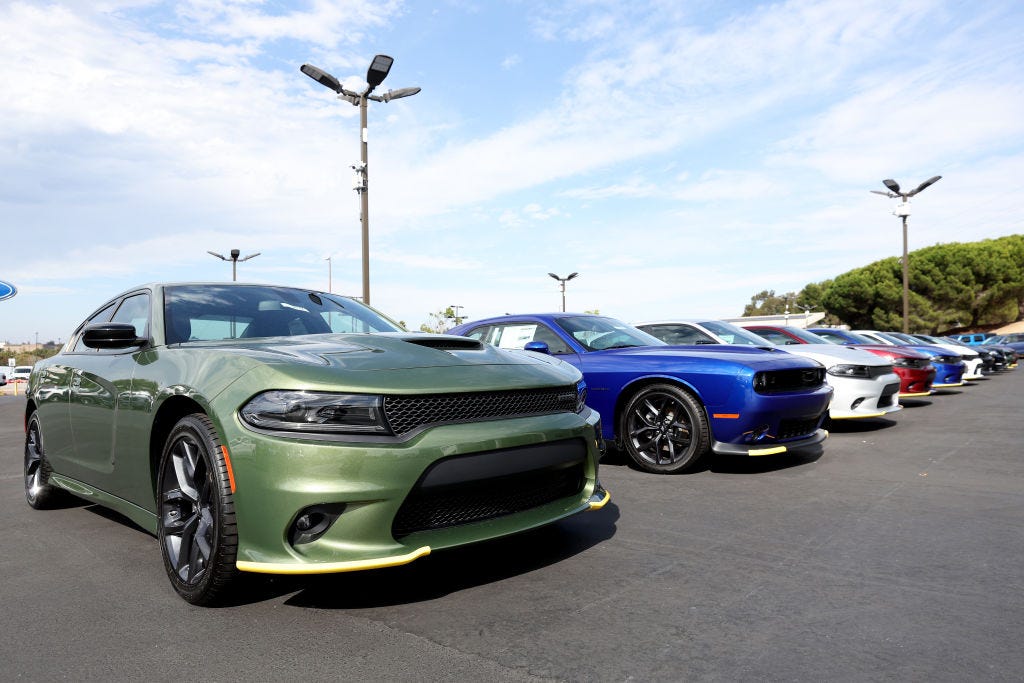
(445, 343)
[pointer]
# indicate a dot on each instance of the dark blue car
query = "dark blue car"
(668, 406)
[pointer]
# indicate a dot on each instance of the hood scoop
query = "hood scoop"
(445, 343)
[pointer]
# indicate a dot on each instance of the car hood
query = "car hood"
(759, 358)
(386, 362)
(833, 354)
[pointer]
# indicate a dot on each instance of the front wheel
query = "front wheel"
(664, 429)
(39, 492)
(196, 518)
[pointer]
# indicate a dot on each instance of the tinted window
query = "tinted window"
(516, 335)
(101, 316)
(134, 310)
(678, 334)
(774, 336)
(214, 312)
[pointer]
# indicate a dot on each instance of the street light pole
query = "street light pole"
(234, 260)
(375, 75)
(562, 281)
(903, 211)
(455, 310)
(328, 259)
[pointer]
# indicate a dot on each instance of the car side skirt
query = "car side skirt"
(144, 518)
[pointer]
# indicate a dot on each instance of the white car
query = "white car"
(864, 384)
(19, 373)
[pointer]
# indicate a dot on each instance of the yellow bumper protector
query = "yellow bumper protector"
(916, 394)
(331, 567)
(598, 504)
(858, 417)
(767, 451)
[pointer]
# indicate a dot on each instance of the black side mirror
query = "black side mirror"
(537, 346)
(111, 336)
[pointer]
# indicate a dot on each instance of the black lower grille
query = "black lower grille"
(888, 397)
(791, 429)
(474, 488)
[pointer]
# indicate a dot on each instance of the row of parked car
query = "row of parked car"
(671, 392)
(275, 430)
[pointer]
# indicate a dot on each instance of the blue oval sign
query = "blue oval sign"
(7, 290)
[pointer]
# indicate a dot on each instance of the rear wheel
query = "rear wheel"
(196, 518)
(39, 492)
(664, 429)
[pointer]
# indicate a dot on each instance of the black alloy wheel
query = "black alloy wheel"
(196, 524)
(665, 429)
(39, 492)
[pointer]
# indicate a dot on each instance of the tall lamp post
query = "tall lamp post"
(455, 313)
(234, 260)
(329, 284)
(903, 211)
(375, 75)
(562, 281)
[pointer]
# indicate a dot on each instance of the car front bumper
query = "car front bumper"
(489, 473)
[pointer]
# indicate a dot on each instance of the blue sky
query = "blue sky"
(681, 156)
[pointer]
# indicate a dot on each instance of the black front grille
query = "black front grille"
(473, 488)
(771, 381)
(407, 413)
(792, 429)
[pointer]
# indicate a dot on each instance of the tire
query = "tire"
(196, 525)
(664, 429)
(39, 492)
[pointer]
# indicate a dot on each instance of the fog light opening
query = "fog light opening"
(758, 434)
(313, 522)
(853, 406)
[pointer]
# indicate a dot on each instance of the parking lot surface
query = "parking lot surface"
(894, 553)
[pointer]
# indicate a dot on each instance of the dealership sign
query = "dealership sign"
(7, 290)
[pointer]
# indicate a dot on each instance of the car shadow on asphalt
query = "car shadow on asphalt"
(914, 402)
(859, 426)
(447, 571)
(727, 464)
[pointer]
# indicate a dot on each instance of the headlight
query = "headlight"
(911, 362)
(842, 370)
(315, 412)
(581, 396)
(947, 360)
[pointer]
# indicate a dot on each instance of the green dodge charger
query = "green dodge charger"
(256, 428)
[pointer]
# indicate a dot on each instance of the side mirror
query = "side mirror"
(537, 346)
(111, 336)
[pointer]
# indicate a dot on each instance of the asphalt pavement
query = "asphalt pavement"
(894, 553)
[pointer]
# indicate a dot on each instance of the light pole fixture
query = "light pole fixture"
(328, 259)
(375, 75)
(562, 281)
(903, 211)
(234, 260)
(455, 313)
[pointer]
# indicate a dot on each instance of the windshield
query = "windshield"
(733, 334)
(806, 337)
(893, 338)
(845, 337)
(596, 333)
(214, 312)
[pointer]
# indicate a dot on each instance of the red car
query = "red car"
(914, 368)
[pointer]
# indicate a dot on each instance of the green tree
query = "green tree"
(439, 322)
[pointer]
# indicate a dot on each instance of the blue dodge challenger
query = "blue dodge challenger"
(669, 406)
